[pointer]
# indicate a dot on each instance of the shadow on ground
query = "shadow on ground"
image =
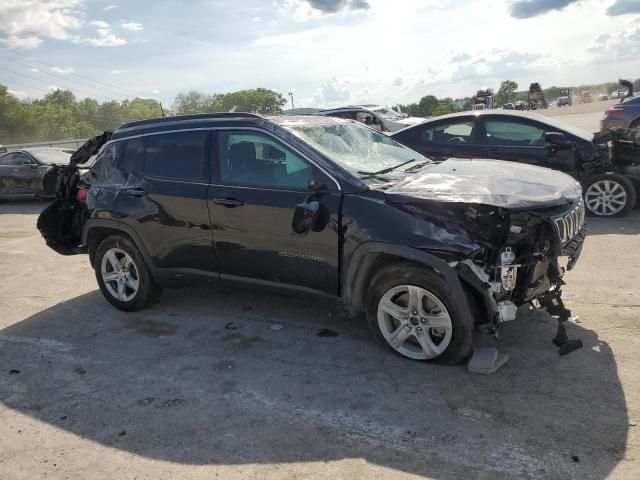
(629, 225)
(23, 206)
(215, 377)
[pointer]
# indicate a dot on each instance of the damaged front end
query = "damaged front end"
(60, 223)
(524, 261)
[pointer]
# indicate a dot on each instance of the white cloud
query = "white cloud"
(105, 36)
(132, 26)
(53, 88)
(14, 41)
(35, 70)
(397, 82)
(302, 10)
(32, 19)
(620, 46)
(257, 19)
(116, 72)
(21, 94)
(62, 71)
(110, 7)
(155, 91)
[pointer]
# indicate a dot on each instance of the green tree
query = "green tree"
(505, 92)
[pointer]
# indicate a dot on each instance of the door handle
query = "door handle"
(228, 202)
(136, 191)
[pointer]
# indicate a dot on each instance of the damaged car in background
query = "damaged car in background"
(609, 181)
(433, 255)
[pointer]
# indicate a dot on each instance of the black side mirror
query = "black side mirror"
(305, 217)
(556, 138)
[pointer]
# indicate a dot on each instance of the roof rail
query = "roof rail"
(197, 116)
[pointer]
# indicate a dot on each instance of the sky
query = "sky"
(326, 52)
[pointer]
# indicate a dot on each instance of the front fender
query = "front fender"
(359, 270)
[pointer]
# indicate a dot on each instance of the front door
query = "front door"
(258, 182)
(523, 140)
(17, 174)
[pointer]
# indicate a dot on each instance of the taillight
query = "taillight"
(81, 196)
(611, 110)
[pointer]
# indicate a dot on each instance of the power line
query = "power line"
(131, 92)
(67, 79)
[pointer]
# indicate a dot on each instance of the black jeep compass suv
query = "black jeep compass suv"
(430, 253)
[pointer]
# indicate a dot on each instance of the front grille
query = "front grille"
(569, 224)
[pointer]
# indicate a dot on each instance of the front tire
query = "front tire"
(609, 195)
(122, 274)
(411, 311)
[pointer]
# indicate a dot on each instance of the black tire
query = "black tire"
(407, 273)
(624, 183)
(147, 292)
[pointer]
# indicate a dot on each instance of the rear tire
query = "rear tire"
(122, 274)
(609, 195)
(429, 327)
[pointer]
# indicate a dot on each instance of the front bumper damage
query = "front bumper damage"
(526, 270)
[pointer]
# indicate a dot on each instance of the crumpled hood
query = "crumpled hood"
(489, 182)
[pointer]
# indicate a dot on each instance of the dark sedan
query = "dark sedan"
(529, 138)
(22, 171)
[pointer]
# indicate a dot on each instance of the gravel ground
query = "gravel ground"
(220, 383)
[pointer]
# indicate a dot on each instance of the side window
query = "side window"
(7, 160)
(103, 168)
(132, 155)
(15, 159)
(347, 115)
(177, 155)
(259, 160)
(513, 133)
(453, 133)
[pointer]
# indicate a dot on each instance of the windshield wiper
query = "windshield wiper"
(385, 170)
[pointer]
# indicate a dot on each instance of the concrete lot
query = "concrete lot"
(206, 385)
(586, 116)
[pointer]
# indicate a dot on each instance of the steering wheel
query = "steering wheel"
(456, 140)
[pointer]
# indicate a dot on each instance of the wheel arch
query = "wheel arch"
(97, 229)
(370, 257)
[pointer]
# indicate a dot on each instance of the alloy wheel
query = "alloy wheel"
(414, 322)
(120, 274)
(606, 198)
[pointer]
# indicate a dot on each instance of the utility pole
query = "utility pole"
(292, 105)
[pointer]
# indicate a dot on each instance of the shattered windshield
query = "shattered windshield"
(355, 147)
(387, 113)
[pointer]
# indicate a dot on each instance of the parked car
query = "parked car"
(564, 101)
(625, 114)
(609, 188)
(602, 97)
(22, 172)
(381, 118)
(430, 253)
(508, 106)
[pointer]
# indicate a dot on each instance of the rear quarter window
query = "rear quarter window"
(175, 156)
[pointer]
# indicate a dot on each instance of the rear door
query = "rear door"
(258, 181)
(523, 140)
(439, 140)
(163, 198)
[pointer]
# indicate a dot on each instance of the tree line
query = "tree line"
(61, 116)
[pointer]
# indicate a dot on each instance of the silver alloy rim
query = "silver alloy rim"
(120, 274)
(414, 322)
(605, 198)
